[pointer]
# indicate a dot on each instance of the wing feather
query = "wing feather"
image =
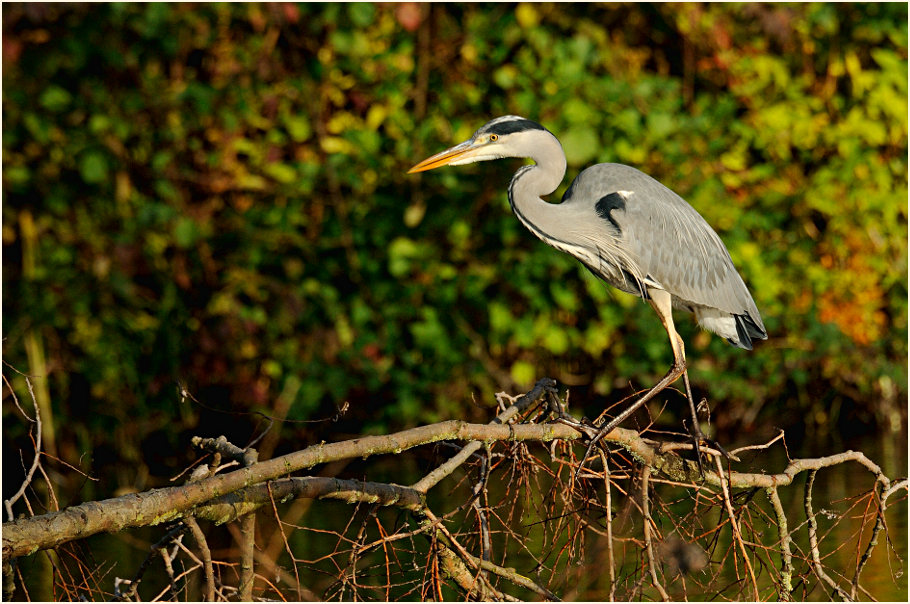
(657, 238)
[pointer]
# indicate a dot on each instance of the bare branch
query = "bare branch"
(646, 520)
(785, 586)
(36, 461)
(247, 551)
(734, 525)
(813, 540)
(540, 388)
(470, 549)
(608, 505)
(199, 536)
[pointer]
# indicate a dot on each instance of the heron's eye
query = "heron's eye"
(494, 138)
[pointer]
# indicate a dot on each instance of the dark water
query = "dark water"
(840, 508)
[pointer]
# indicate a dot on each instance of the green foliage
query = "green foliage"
(220, 195)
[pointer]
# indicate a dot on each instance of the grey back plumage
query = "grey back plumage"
(667, 244)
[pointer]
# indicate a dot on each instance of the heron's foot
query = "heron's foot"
(586, 429)
(595, 435)
(583, 427)
(698, 439)
(561, 416)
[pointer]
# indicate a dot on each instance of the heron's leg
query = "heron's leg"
(660, 301)
(679, 360)
(697, 435)
(682, 352)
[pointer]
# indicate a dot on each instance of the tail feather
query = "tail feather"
(746, 331)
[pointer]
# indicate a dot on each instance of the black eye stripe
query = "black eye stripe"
(512, 126)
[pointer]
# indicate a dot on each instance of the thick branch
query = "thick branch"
(26, 536)
(234, 505)
(433, 478)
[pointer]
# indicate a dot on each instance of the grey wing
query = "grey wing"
(668, 245)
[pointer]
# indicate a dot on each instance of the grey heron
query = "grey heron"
(630, 231)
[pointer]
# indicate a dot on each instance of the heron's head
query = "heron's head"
(507, 136)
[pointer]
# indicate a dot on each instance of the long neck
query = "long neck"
(532, 182)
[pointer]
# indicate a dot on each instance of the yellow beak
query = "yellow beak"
(459, 152)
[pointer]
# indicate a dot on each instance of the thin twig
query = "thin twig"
(785, 587)
(876, 529)
(646, 517)
(813, 540)
(611, 563)
(737, 535)
(766, 445)
(480, 491)
(354, 557)
(199, 536)
(162, 544)
(8, 504)
(168, 560)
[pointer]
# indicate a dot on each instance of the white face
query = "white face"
(482, 148)
(486, 146)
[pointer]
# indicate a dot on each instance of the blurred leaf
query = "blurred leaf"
(283, 173)
(93, 167)
(185, 232)
(298, 127)
(362, 13)
(581, 145)
(523, 373)
(55, 98)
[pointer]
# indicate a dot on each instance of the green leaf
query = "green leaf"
(298, 127)
(581, 145)
(361, 13)
(522, 373)
(505, 76)
(283, 173)
(402, 251)
(55, 98)
(93, 167)
(186, 232)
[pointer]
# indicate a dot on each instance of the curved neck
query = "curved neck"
(543, 178)
(532, 182)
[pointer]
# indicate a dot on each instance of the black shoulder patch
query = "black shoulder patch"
(605, 206)
(512, 126)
